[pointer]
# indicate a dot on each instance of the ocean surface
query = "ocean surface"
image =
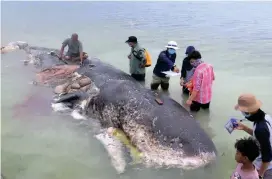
(37, 143)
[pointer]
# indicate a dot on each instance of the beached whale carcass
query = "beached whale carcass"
(167, 135)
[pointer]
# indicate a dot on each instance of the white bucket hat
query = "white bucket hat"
(172, 44)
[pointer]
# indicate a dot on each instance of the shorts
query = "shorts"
(72, 54)
(195, 106)
(185, 90)
(159, 80)
(138, 77)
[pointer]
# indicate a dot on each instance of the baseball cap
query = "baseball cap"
(132, 39)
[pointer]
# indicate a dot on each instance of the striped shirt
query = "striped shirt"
(262, 132)
(202, 81)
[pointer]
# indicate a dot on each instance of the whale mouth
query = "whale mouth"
(74, 96)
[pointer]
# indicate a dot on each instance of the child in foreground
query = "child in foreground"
(247, 150)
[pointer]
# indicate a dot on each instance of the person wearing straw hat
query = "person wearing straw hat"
(250, 108)
(165, 62)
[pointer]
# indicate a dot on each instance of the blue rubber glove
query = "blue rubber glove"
(234, 122)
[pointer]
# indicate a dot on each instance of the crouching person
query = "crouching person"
(165, 62)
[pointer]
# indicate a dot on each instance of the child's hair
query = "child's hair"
(248, 147)
(194, 55)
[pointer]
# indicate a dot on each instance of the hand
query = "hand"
(260, 176)
(129, 56)
(189, 102)
(189, 84)
(240, 126)
(181, 82)
(176, 70)
(141, 65)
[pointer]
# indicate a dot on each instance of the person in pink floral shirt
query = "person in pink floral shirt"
(202, 81)
(247, 150)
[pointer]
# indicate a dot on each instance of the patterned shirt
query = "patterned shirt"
(240, 174)
(202, 81)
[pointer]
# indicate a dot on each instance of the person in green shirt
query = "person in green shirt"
(137, 59)
(75, 49)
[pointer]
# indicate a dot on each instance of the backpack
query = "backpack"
(147, 57)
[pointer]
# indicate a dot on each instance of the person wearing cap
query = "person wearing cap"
(137, 59)
(250, 107)
(202, 81)
(75, 49)
(165, 62)
(187, 70)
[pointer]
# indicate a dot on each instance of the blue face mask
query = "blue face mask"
(246, 114)
(171, 51)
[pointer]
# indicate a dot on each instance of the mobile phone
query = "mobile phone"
(159, 101)
(231, 124)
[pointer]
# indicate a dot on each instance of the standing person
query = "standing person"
(75, 49)
(262, 130)
(137, 59)
(187, 70)
(165, 62)
(247, 150)
(202, 83)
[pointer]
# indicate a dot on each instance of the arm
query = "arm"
(183, 71)
(213, 77)
(174, 66)
(248, 130)
(263, 135)
(64, 44)
(197, 85)
(81, 52)
(164, 58)
(141, 55)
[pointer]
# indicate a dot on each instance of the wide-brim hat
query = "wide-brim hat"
(172, 44)
(248, 103)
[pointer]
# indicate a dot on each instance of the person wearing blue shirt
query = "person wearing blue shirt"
(262, 131)
(165, 62)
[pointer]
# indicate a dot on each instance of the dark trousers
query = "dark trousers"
(195, 106)
(185, 90)
(138, 77)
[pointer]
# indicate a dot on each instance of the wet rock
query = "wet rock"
(61, 88)
(85, 88)
(84, 82)
(75, 86)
